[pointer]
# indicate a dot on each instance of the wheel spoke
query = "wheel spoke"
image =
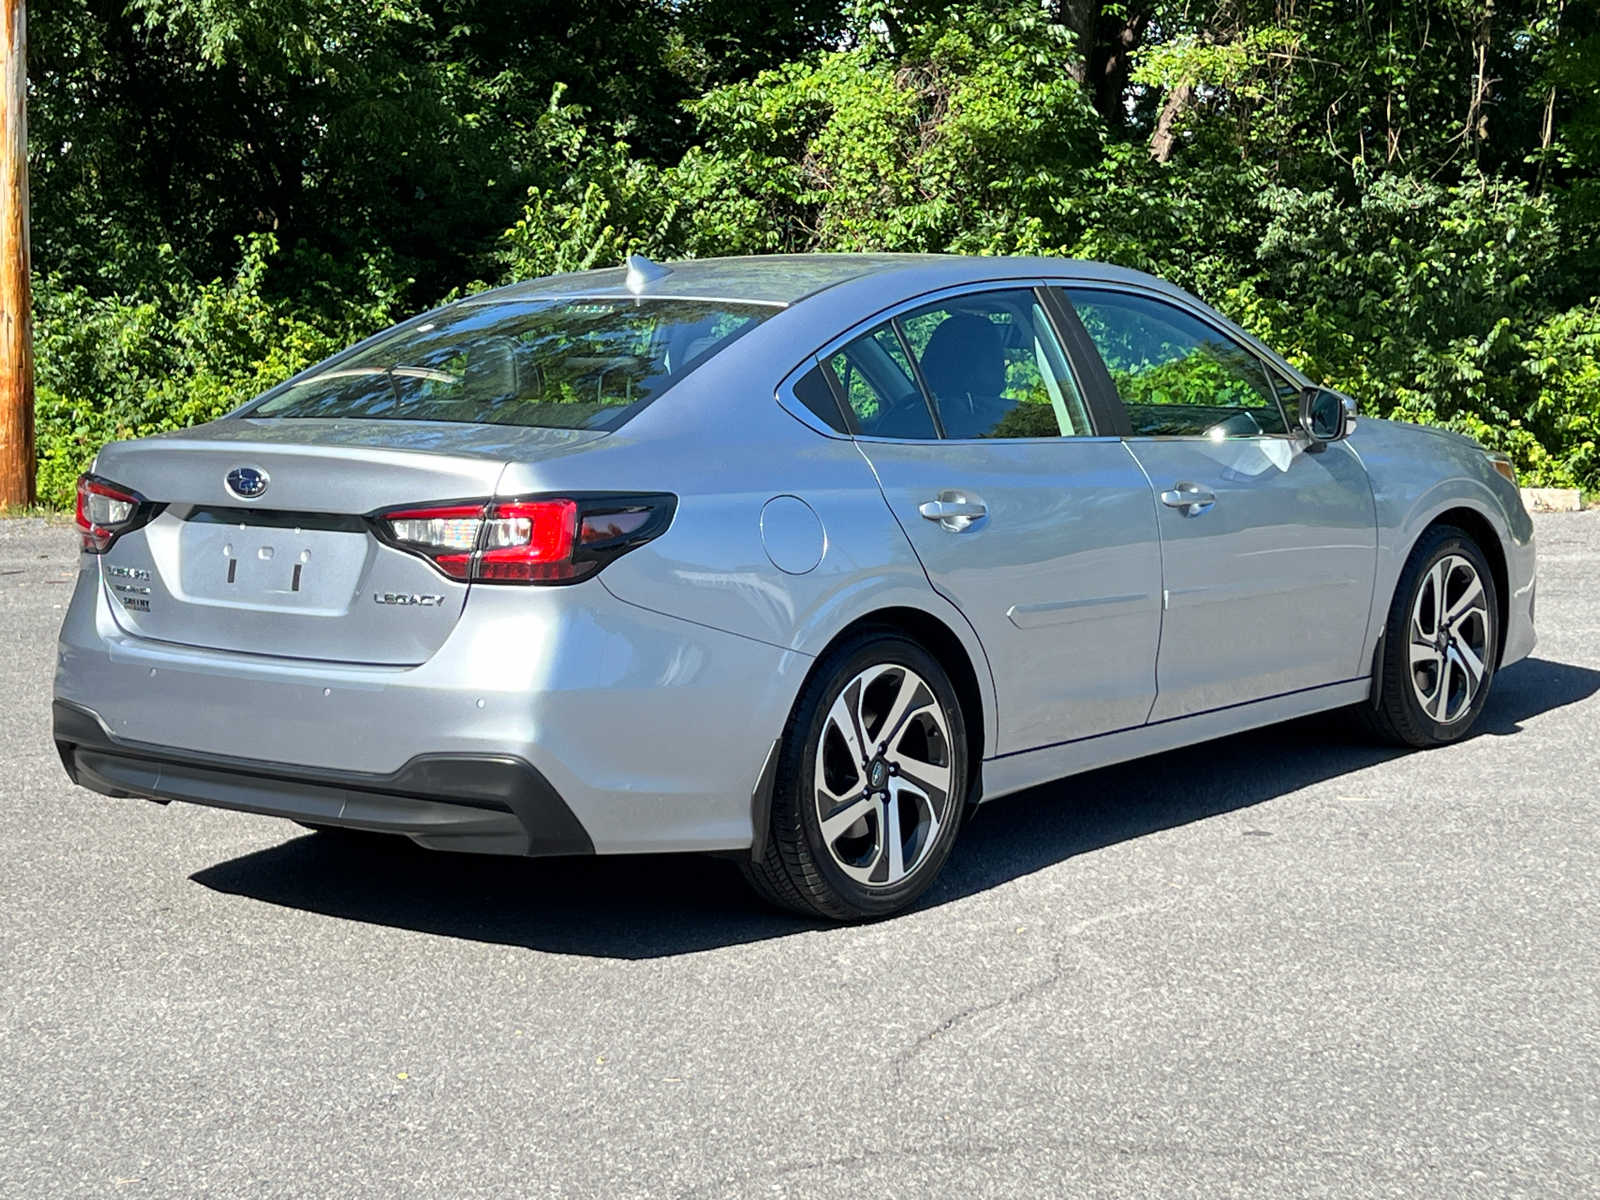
(927, 778)
(893, 842)
(1423, 653)
(834, 826)
(933, 824)
(911, 696)
(1435, 585)
(1469, 659)
(843, 717)
(1441, 695)
(1419, 635)
(1468, 600)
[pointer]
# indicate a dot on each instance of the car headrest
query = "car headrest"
(965, 356)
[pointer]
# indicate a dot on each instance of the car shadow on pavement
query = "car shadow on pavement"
(650, 906)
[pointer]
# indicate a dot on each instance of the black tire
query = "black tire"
(800, 869)
(1400, 715)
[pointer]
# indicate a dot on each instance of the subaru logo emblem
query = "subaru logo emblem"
(879, 775)
(247, 483)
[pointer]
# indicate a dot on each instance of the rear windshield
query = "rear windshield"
(557, 363)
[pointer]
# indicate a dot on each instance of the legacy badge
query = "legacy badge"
(408, 598)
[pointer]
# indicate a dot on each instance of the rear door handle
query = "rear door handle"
(954, 510)
(1190, 499)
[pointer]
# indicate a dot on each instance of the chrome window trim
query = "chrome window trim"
(889, 312)
(1233, 441)
(791, 404)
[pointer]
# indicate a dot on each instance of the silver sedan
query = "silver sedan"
(792, 559)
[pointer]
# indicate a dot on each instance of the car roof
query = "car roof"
(784, 279)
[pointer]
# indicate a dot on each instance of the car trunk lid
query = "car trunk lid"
(295, 570)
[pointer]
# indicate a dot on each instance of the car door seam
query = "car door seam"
(1161, 560)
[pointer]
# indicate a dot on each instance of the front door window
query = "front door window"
(1177, 376)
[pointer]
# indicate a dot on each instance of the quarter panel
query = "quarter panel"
(713, 568)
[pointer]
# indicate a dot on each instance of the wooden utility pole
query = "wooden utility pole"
(16, 293)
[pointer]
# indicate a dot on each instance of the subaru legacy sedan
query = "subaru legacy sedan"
(791, 559)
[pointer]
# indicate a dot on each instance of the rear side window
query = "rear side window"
(983, 365)
(812, 390)
(558, 363)
(880, 389)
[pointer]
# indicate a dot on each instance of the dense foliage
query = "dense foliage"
(1404, 197)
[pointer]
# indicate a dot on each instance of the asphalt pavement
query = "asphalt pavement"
(1284, 964)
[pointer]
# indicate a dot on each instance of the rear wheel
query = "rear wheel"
(1439, 645)
(870, 784)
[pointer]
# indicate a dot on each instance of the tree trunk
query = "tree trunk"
(1164, 140)
(1106, 44)
(16, 300)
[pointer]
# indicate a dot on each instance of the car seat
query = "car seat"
(965, 366)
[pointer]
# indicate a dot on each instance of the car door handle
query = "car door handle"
(1190, 499)
(954, 510)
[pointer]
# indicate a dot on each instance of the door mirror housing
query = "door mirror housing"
(1326, 416)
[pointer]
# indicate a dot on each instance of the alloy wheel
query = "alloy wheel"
(883, 786)
(1449, 639)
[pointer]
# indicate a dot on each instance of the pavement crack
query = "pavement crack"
(965, 1015)
(1028, 990)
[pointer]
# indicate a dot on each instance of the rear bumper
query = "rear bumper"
(485, 804)
(650, 729)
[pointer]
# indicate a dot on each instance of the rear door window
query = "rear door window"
(994, 368)
(984, 365)
(559, 363)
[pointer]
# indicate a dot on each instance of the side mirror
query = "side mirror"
(1326, 416)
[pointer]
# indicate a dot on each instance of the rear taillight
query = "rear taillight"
(446, 536)
(106, 511)
(558, 539)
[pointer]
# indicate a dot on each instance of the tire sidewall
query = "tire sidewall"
(798, 765)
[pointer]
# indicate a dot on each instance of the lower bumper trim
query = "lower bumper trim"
(487, 804)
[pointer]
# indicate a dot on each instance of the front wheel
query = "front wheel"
(870, 784)
(1439, 645)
